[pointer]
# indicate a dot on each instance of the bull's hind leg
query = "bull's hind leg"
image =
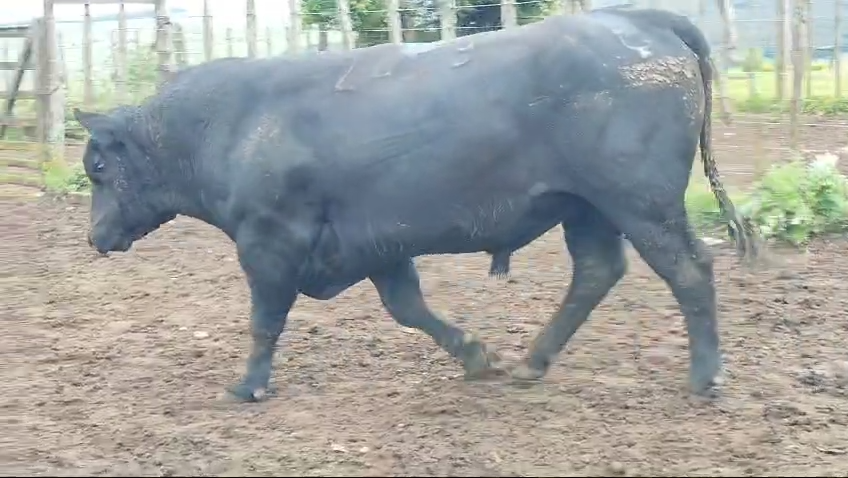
(598, 264)
(665, 241)
(400, 292)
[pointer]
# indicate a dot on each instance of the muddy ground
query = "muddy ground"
(118, 366)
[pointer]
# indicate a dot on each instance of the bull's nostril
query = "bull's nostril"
(90, 241)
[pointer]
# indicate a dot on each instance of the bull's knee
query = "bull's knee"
(698, 271)
(401, 296)
(406, 307)
(702, 256)
(602, 271)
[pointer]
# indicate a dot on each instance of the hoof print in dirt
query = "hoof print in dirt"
(832, 380)
(243, 394)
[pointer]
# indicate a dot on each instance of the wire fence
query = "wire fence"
(783, 73)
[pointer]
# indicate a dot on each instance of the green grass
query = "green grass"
(823, 83)
(55, 176)
(762, 98)
(61, 178)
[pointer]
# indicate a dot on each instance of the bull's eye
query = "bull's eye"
(98, 167)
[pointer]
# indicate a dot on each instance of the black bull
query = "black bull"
(330, 169)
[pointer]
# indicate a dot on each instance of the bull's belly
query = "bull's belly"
(503, 225)
(508, 236)
(324, 283)
(348, 253)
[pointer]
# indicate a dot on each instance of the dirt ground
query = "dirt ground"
(117, 366)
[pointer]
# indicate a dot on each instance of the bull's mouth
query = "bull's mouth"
(122, 244)
(124, 241)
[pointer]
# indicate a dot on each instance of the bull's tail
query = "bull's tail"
(740, 229)
(499, 267)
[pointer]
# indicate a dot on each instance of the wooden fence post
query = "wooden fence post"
(208, 41)
(798, 73)
(393, 13)
(163, 41)
(51, 95)
(295, 27)
(229, 39)
(447, 15)
(348, 41)
(121, 57)
(269, 42)
(837, 49)
(88, 77)
(808, 45)
(113, 50)
(509, 14)
(783, 44)
(250, 34)
(180, 45)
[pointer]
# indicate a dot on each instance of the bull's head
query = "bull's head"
(129, 196)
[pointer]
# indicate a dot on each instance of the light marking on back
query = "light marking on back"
(644, 51)
(627, 34)
(415, 49)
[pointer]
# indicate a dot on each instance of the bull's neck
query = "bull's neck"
(196, 194)
(190, 187)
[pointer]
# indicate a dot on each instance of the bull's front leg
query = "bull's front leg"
(400, 291)
(270, 267)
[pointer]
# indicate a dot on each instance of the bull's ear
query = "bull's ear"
(91, 121)
(98, 125)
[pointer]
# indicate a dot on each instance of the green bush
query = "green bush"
(797, 201)
(825, 105)
(791, 203)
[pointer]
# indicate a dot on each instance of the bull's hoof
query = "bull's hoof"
(243, 393)
(481, 363)
(526, 376)
(707, 390)
(706, 377)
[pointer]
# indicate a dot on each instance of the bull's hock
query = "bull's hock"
(327, 170)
